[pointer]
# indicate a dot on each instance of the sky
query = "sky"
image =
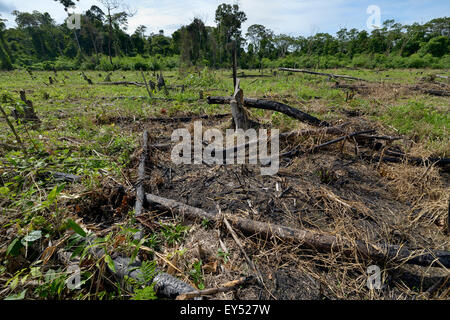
(291, 17)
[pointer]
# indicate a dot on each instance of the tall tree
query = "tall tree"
(110, 6)
(229, 21)
(69, 4)
(261, 38)
(4, 55)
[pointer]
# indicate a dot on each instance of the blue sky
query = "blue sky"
(292, 17)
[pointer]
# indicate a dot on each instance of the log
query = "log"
(126, 83)
(65, 177)
(349, 87)
(274, 106)
(322, 74)
(320, 241)
(165, 285)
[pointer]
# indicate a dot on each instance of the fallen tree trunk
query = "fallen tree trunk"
(120, 83)
(322, 74)
(317, 240)
(165, 285)
(274, 106)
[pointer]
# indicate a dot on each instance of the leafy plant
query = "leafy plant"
(224, 255)
(197, 275)
(173, 233)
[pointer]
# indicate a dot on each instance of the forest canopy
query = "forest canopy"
(104, 43)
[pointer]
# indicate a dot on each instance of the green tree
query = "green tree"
(229, 21)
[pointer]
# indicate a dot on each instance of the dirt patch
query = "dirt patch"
(105, 206)
(333, 191)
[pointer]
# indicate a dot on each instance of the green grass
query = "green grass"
(417, 119)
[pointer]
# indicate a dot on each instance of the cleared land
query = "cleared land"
(95, 131)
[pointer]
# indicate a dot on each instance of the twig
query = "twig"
(239, 244)
(146, 85)
(19, 141)
(229, 286)
(322, 74)
(320, 146)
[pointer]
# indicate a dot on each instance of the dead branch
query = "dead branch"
(89, 81)
(239, 244)
(441, 93)
(296, 133)
(274, 106)
(146, 85)
(320, 241)
(140, 193)
(322, 74)
(396, 158)
(320, 146)
(19, 141)
(229, 286)
(125, 83)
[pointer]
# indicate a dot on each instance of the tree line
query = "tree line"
(102, 42)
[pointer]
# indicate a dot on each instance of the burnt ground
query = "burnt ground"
(333, 191)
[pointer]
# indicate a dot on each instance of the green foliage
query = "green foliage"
(141, 287)
(173, 233)
(437, 46)
(45, 45)
(224, 255)
(146, 293)
(197, 275)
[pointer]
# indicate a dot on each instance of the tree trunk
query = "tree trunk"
(320, 241)
(110, 35)
(240, 117)
(274, 106)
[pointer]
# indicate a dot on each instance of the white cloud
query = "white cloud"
(294, 17)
